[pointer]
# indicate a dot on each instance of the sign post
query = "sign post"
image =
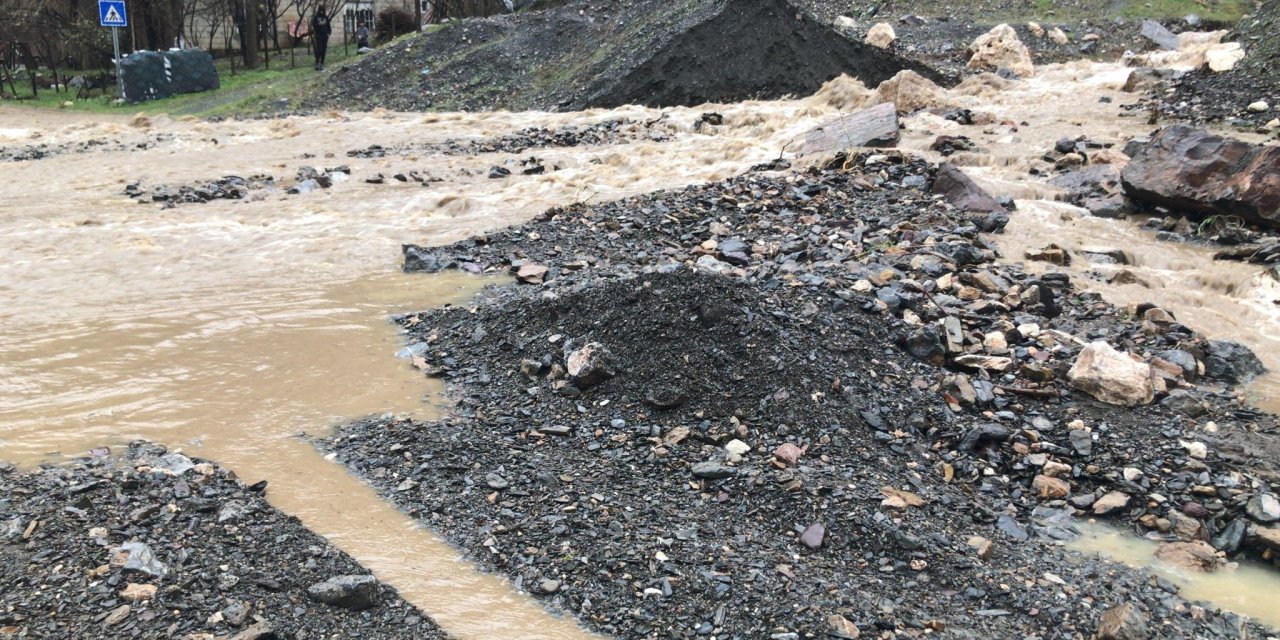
(112, 13)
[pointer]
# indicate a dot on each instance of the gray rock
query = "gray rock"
(1081, 441)
(1162, 37)
(813, 535)
(346, 592)
(231, 511)
(495, 481)
(1231, 362)
(713, 470)
(1231, 537)
(1183, 359)
(259, 631)
(983, 433)
(962, 192)
(141, 559)
(1010, 527)
(1263, 508)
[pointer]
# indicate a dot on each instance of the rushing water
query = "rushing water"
(229, 328)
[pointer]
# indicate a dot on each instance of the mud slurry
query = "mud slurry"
(153, 544)
(766, 460)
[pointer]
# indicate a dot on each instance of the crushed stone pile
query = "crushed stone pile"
(810, 403)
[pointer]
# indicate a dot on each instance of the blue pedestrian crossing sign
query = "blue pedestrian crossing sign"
(111, 13)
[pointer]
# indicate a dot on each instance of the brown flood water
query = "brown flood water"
(227, 329)
(230, 328)
(1227, 300)
(1246, 588)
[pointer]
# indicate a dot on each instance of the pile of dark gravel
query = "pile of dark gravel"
(158, 545)
(776, 453)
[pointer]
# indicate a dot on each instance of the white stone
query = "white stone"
(1001, 47)
(1111, 376)
(881, 36)
(737, 447)
(1223, 57)
(1197, 450)
(1258, 107)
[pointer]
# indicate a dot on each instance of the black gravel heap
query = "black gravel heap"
(777, 453)
(159, 545)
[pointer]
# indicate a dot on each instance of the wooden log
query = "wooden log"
(873, 127)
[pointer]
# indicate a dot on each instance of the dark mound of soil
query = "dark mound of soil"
(581, 55)
(776, 453)
(158, 545)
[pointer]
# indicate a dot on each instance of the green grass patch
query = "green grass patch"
(1220, 10)
(247, 91)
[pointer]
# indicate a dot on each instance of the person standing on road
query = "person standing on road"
(320, 31)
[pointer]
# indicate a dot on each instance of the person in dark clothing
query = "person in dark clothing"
(320, 30)
(362, 35)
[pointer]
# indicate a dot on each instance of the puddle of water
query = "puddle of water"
(1249, 589)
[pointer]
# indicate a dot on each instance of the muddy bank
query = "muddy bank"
(719, 411)
(606, 54)
(155, 544)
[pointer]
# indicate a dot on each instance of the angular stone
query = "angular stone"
(1114, 501)
(141, 559)
(1111, 376)
(1001, 48)
(881, 35)
(590, 365)
(1190, 170)
(839, 627)
(872, 127)
(1125, 622)
(983, 546)
(135, 592)
(962, 192)
(1192, 556)
(1052, 488)
(813, 535)
(355, 592)
(1157, 33)
(713, 470)
(910, 92)
(1229, 361)
(1263, 508)
(531, 273)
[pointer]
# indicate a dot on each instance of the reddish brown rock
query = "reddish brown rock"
(1193, 171)
(1125, 622)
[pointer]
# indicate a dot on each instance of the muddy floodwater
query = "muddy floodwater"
(229, 329)
(1246, 588)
